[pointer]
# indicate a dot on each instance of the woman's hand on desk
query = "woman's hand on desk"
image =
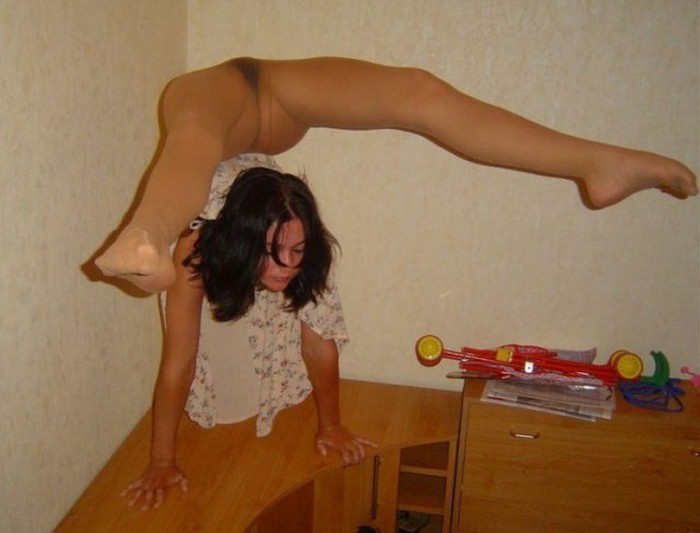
(151, 488)
(337, 438)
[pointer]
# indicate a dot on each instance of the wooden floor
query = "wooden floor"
(234, 475)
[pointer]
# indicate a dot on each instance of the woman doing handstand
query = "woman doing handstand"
(263, 257)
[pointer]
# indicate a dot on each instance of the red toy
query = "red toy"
(515, 361)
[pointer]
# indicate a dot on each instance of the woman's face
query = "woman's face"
(290, 251)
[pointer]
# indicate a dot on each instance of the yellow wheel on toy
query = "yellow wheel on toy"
(628, 365)
(429, 349)
(615, 356)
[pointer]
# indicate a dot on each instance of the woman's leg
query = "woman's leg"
(374, 96)
(199, 111)
(176, 191)
(212, 114)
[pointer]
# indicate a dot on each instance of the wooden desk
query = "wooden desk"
(235, 477)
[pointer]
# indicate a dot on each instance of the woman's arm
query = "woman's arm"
(321, 359)
(182, 318)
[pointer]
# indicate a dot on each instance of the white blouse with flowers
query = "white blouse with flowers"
(253, 366)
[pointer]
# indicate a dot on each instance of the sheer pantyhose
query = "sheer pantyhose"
(267, 106)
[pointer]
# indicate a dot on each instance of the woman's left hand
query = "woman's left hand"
(338, 438)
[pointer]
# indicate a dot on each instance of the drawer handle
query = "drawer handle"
(695, 452)
(375, 487)
(518, 435)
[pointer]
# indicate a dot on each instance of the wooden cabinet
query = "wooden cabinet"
(417, 478)
(426, 480)
(532, 471)
(516, 470)
(411, 470)
(370, 492)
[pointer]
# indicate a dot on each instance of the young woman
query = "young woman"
(249, 105)
(262, 256)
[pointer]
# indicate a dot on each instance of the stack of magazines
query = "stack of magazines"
(584, 402)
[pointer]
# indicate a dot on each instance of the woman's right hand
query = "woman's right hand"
(152, 487)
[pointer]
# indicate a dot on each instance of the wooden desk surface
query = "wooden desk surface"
(234, 475)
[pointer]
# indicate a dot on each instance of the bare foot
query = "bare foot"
(620, 172)
(135, 257)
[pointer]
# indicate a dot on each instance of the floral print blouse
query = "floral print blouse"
(268, 348)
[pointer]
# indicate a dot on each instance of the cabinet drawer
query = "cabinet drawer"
(556, 472)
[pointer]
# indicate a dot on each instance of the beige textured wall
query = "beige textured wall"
(431, 243)
(78, 85)
(485, 256)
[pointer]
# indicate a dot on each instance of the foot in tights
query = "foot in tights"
(619, 173)
(137, 257)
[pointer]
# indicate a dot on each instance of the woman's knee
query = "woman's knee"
(422, 92)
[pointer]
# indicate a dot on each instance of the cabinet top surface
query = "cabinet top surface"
(690, 399)
(228, 463)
